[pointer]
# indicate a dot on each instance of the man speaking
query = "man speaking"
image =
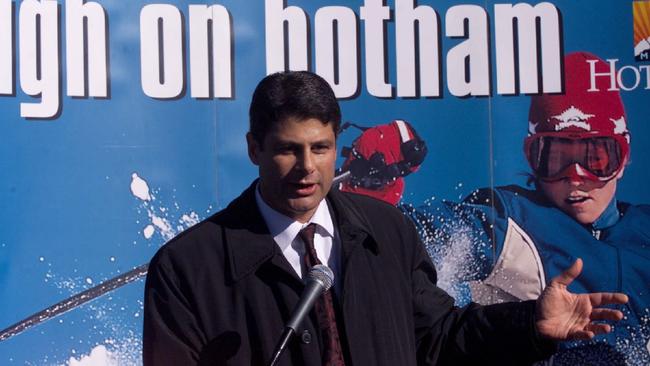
(221, 292)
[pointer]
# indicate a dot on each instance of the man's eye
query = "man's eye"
(320, 149)
(284, 150)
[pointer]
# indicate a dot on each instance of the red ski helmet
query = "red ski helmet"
(380, 158)
(587, 111)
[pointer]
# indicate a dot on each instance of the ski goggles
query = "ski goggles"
(598, 158)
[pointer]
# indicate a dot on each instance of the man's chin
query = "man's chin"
(303, 205)
(584, 217)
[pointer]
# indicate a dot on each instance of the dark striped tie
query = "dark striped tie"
(324, 306)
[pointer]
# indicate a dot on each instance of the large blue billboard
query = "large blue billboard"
(123, 123)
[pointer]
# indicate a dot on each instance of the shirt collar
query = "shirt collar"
(608, 218)
(284, 229)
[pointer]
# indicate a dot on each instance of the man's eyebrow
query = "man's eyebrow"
(323, 142)
(282, 142)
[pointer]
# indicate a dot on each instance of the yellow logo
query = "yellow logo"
(641, 14)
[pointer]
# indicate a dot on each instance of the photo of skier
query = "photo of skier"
(380, 158)
(512, 240)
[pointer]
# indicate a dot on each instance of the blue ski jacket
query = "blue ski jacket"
(507, 243)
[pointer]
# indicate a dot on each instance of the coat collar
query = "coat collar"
(352, 223)
(249, 245)
(247, 240)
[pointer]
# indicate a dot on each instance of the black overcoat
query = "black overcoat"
(221, 292)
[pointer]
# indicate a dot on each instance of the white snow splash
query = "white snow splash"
(99, 356)
(148, 231)
(113, 318)
(452, 247)
(139, 188)
(122, 345)
(160, 219)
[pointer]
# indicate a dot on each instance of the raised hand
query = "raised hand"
(562, 315)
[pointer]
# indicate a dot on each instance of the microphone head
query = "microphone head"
(323, 274)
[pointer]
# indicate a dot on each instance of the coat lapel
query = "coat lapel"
(249, 244)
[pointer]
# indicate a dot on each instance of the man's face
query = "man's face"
(582, 199)
(296, 165)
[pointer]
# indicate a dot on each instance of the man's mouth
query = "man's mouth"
(574, 200)
(305, 189)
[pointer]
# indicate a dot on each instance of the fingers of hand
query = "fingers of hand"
(565, 278)
(582, 335)
(606, 314)
(598, 328)
(604, 298)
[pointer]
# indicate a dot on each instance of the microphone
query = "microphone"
(319, 280)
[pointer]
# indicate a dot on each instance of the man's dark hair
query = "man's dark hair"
(292, 94)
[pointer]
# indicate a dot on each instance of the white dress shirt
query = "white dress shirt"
(284, 231)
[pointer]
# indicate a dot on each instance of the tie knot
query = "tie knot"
(307, 234)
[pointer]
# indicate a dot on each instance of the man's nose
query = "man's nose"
(575, 175)
(306, 162)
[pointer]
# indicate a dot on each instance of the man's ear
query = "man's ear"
(253, 148)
